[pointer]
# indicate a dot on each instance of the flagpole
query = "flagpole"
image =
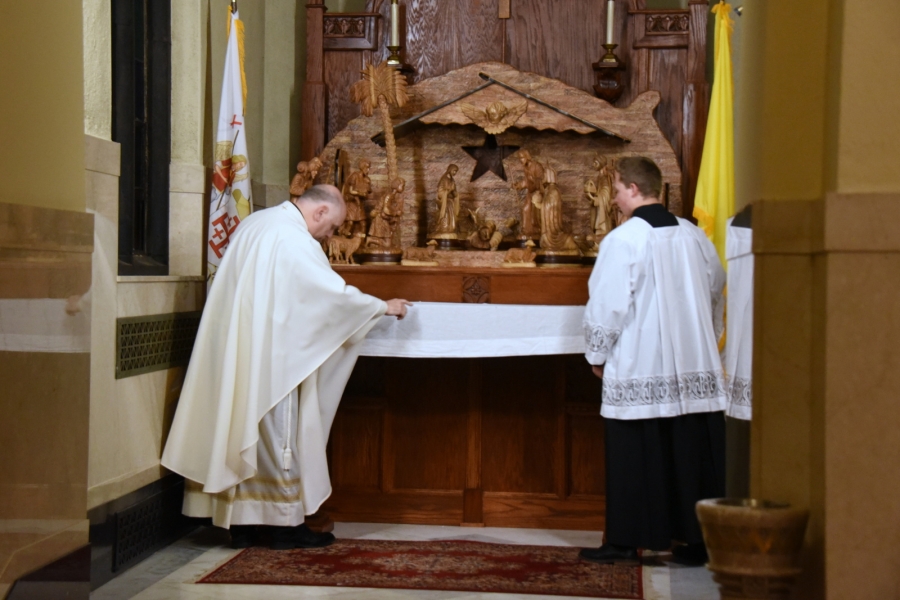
(233, 6)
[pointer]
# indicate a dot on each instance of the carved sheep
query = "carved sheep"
(519, 255)
(340, 250)
(425, 254)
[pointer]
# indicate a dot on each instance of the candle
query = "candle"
(395, 23)
(610, 20)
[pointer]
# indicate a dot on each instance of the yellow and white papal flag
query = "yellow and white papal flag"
(714, 198)
(230, 194)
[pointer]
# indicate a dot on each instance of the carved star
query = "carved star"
(489, 157)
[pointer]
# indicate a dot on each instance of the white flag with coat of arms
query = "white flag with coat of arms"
(230, 194)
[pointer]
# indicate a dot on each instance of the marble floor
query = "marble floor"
(170, 573)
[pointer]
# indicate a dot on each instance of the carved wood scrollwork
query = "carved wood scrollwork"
(477, 290)
(350, 31)
(656, 29)
(668, 23)
(344, 27)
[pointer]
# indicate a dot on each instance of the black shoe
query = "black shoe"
(286, 538)
(608, 554)
(690, 554)
(243, 536)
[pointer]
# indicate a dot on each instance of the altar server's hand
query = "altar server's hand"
(397, 308)
(598, 370)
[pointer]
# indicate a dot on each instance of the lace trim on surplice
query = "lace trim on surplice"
(670, 389)
(740, 391)
(598, 338)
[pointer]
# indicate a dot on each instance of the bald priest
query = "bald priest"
(278, 339)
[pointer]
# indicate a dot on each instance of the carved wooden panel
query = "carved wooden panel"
(356, 446)
(663, 29)
(427, 425)
(477, 290)
(662, 23)
(503, 441)
(584, 430)
(520, 434)
(351, 31)
(585, 452)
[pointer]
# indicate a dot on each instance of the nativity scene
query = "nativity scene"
(508, 146)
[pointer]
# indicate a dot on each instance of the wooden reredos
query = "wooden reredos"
(664, 51)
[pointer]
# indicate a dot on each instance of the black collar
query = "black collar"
(656, 215)
(744, 218)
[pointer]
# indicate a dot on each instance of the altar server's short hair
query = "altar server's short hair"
(642, 172)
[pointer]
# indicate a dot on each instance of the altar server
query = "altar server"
(739, 338)
(739, 353)
(651, 330)
(250, 442)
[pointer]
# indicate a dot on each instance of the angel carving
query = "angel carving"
(496, 118)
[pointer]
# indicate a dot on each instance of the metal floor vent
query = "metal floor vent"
(154, 342)
(145, 527)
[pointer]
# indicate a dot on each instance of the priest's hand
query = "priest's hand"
(598, 370)
(397, 308)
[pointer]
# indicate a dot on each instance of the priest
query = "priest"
(652, 323)
(278, 339)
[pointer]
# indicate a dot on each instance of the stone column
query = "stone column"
(191, 125)
(820, 167)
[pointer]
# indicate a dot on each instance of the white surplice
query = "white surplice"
(654, 318)
(277, 317)
(739, 338)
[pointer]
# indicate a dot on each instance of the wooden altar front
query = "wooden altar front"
(513, 441)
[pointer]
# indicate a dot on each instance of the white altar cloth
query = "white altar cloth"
(452, 330)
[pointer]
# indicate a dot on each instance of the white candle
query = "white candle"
(610, 20)
(395, 23)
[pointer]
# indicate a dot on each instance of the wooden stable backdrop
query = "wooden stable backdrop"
(499, 441)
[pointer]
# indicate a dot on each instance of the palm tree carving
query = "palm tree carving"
(382, 86)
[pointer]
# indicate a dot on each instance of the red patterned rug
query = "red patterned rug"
(442, 565)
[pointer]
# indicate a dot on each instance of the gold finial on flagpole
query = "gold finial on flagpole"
(233, 6)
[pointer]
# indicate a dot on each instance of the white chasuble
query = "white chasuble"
(653, 319)
(277, 317)
(739, 339)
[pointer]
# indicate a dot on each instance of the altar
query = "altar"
(479, 186)
(470, 413)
